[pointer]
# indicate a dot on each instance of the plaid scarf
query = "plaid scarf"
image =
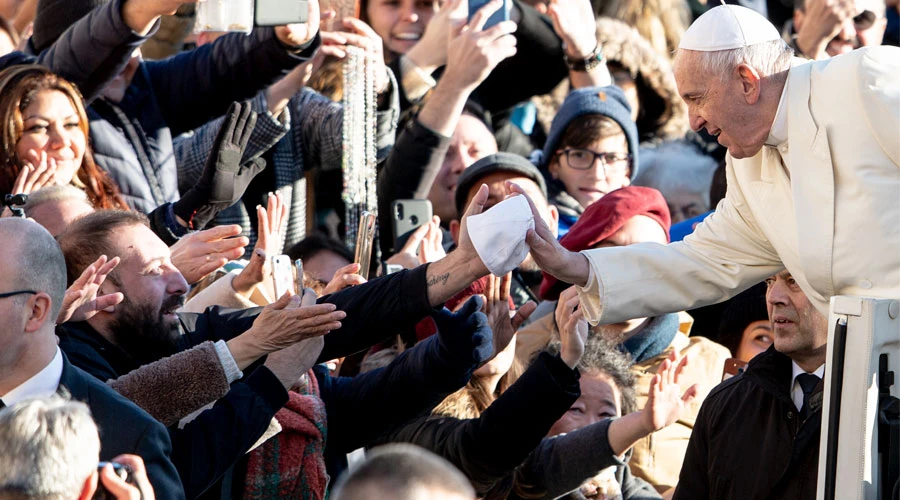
(292, 464)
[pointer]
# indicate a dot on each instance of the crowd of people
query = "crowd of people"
(638, 212)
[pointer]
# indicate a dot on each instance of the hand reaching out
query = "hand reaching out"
(271, 224)
(344, 277)
(424, 245)
(474, 52)
(573, 21)
(573, 328)
(81, 302)
(430, 52)
(665, 402)
(496, 307)
(198, 254)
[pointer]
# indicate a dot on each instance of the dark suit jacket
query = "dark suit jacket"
(125, 428)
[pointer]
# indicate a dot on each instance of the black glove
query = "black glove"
(224, 179)
(466, 334)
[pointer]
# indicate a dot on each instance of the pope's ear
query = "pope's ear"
(750, 83)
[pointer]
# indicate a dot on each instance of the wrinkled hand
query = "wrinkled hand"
(573, 328)
(466, 333)
(573, 21)
(224, 179)
(570, 267)
(290, 363)
(472, 53)
(822, 22)
(430, 52)
(81, 302)
(344, 277)
(122, 490)
(271, 224)
(285, 322)
(295, 35)
(198, 254)
(496, 307)
(665, 403)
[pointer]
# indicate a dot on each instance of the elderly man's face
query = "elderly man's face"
(721, 105)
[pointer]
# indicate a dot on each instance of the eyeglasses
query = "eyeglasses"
(18, 292)
(583, 159)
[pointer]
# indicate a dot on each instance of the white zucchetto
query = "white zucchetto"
(727, 27)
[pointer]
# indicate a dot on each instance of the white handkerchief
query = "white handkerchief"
(498, 235)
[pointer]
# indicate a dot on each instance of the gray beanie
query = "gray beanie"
(54, 17)
(606, 101)
(497, 162)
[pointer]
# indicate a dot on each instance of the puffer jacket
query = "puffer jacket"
(132, 139)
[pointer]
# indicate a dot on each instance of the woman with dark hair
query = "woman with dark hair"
(43, 139)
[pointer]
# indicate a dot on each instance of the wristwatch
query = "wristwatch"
(588, 63)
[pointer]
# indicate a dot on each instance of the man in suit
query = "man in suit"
(757, 434)
(33, 276)
(813, 170)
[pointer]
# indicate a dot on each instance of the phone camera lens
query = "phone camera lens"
(414, 219)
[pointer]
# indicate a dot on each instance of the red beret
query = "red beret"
(604, 218)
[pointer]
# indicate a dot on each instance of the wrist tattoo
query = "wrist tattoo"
(438, 279)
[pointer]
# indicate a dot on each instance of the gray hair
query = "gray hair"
(48, 448)
(39, 261)
(402, 472)
(56, 192)
(769, 58)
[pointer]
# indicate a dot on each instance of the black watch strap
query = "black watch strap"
(588, 63)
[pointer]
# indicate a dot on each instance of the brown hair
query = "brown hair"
(88, 238)
(19, 85)
(588, 129)
(475, 397)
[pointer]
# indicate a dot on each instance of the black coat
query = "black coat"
(142, 436)
(374, 312)
(132, 139)
(748, 441)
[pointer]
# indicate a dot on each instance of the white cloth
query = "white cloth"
(834, 223)
(498, 234)
(796, 390)
(727, 27)
(44, 383)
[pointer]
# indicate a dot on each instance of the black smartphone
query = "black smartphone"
(365, 237)
(123, 471)
(501, 15)
(280, 12)
(406, 217)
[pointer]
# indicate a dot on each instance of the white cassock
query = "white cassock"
(824, 204)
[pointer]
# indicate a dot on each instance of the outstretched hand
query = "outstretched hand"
(665, 402)
(271, 224)
(474, 52)
(198, 254)
(81, 301)
(573, 328)
(496, 307)
(224, 178)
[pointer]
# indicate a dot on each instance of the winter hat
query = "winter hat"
(54, 17)
(497, 162)
(743, 309)
(605, 101)
(604, 218)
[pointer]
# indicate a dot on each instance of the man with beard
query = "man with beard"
(757, 434)
(494, 170)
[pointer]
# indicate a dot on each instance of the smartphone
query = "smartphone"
(365, 237)
(733, 366)
(282, 275)
(406, 217)
(280, 12)
(501, 15)
(298, 275)
(123, 471)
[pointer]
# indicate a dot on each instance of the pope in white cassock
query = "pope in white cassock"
(813, 172)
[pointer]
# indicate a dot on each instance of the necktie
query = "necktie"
(2, 404)
(807, 383)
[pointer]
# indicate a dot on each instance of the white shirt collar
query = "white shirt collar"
(796, 390)
(42, 384)
(779, 131)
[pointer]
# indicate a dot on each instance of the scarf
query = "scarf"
(655, 337)
(292, 464)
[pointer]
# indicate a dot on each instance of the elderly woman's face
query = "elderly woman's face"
(600, 398)
(52, 126)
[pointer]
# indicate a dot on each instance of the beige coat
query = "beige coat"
(831, 217)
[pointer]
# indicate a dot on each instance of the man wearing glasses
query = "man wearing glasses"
(591, 149)
(32, 286)
(826, 28)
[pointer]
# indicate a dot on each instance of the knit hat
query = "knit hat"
(497, 162)
(605, 101)
(54, 17)
(604, 218)
(743, 309)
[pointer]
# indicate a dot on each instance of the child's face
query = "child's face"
(588, 183)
